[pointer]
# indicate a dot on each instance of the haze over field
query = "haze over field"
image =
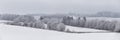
(58, 6)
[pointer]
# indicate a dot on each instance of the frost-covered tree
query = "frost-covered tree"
(56, 25)
(84, 18)
(66, 20)
(106, 25)
(46, 20)
(110, 26)
(101, 24)
(73, 22)
(39, 24)
(60, 27)
(97, 24)
(81, 23)
(117, 27)
(10, 17)
(25, 19)
(88, 23)
(52, 24)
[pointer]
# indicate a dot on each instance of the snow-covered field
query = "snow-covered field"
(80, 29)
(10, 32)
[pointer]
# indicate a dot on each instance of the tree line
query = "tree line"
(60, 24)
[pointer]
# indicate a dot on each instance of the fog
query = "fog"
(58, 6)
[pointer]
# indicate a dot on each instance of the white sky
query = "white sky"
(58, 6)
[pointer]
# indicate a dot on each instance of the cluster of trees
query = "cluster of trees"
(117, 27)
(37, 24)
(9, 17)
(95, 24)
(56, 25)
(74, 22)
(53, 23)
(101, 24)
(30, 21)
(59, 24)
(25, 19)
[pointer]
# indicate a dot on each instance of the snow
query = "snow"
(45, 26)
(1, 21)
(80, 29)
(10, 32)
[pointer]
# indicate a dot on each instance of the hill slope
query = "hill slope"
(9, 32)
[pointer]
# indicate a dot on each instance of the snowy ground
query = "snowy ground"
(1, 21)
(10, 32)
(80, 29)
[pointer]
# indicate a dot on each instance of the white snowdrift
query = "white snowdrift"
(9, 32)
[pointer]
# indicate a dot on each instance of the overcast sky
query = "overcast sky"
(58, 6)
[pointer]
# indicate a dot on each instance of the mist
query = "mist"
(58, 6)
